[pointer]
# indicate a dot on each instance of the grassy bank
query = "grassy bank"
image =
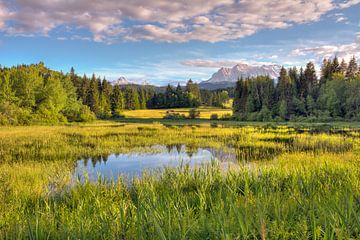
(315, 198)
(287, 183)
(205, 112)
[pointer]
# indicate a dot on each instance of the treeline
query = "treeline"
(300, 95)
(106, 100)
(34, 93)
(189, 96)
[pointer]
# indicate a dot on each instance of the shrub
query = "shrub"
(173, 115)
(118, 114)
(214, 116)
(13, 115)
(194, 113)
(227, 116)
(86, 115)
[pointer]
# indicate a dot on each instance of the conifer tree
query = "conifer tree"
(326, 71)
(352, 68)
(106, 90)
(132, 98)
(93, 96)
(335, 66)
(343, 67)
(310, 80)
(117, 101)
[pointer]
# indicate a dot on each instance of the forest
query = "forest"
(299, 95)
(35, 94)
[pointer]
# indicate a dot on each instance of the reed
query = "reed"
(288, 184)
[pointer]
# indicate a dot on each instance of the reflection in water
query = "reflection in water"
(134, 164)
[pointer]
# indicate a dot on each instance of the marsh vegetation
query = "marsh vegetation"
(261, 182)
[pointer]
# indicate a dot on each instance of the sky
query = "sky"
(170, 41)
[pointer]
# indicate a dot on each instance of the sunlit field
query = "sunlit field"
(205, 112)
(281, 182)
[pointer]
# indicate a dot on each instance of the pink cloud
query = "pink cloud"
(162, 20)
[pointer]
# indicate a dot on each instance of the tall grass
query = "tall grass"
(293, 185)
(279, 200)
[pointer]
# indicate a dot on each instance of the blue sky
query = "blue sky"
(171, 41)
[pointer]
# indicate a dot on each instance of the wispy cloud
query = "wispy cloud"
(345, 51)
(161, 20)
(210, 63)
(216, 64)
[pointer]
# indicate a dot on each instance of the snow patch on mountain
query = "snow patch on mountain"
(121, 81)
(244, 71)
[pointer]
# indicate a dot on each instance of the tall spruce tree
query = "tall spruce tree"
(310, 80)
(117, 101)
(93, 97)
(352, 68)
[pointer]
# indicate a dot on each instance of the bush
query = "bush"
(227, 116)
(118, 114)
(214, 116)
(194, 113)
(13, 115)
(174, 115)
(240, 116)
(86, 115)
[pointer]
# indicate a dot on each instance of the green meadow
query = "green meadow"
(286, 182)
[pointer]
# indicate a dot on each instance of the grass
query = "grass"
(205, 112)
(287, 184)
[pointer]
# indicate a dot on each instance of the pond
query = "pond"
(133, 164)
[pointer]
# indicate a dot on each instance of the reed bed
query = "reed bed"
(287, 184)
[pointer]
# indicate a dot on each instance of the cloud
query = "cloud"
(5, 15)
(210, 63)
(345, 51)
(349, 3)
(339, 17)
(216, 64)
(161, 20)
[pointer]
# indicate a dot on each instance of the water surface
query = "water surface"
(134, 164)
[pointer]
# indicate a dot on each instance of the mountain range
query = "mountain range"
(227, 77)
(124, 81)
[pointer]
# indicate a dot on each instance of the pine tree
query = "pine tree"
(142, 99)
(326, 71)
(335, 66)
(93, 96)
(283, 111)
(283, 83)
(295, 79)
(310, 80)
(117, 101)
(132, 98)
(179, 96)
(343, 67)
(286, 93)
(83, 91)
(352, 69)
(106, 90)
(238, 93)
(193, 92)
(310, 105)
(170, 97)
(244, 96)
(302, 89)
